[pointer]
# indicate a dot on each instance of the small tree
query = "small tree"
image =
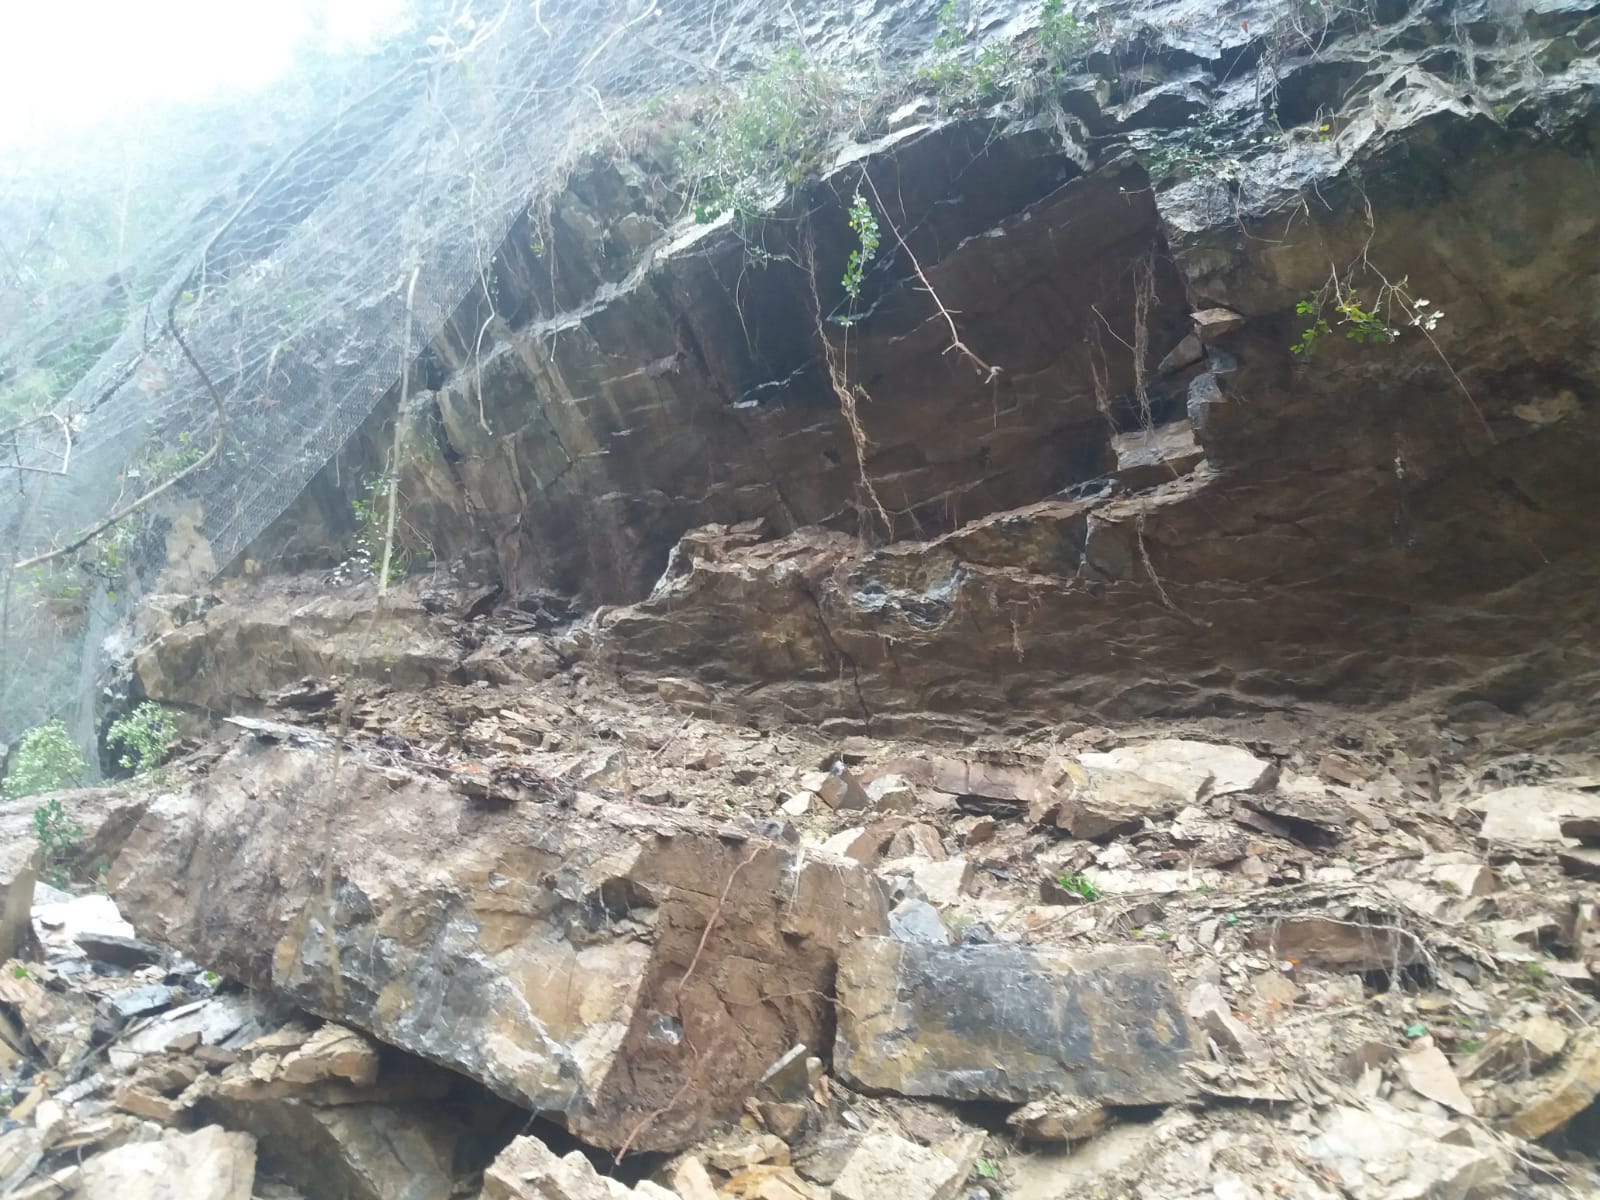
(46, 760)
(146, 736)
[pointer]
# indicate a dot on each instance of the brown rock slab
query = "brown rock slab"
(1215, 322)
(1013, 1023)
(1211, 1013)
(787, 1079)
(837, 789)
(788, 1121)
(118, 951)
(768, 1182)
(1338, 945)
(544, 952)
(692, 1181)
(142, 1102)
(892, 794)
(333, 1052)
(1427, 1072)
(1581, 862)
(1059, 1119)
(1008, 783)
(1149, 457)
(1519, 1048)
(917, 841)
(1314, 820)
(1586, 828)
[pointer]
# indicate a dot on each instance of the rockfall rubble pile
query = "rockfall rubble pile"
(549, 943)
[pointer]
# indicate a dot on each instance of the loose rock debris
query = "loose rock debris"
(1249, 974)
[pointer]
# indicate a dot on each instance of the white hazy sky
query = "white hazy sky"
(70, 63)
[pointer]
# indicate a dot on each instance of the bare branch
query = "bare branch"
(983, 368)
(66, 451)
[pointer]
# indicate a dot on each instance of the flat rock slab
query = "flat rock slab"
(1011, 1023)
(629, 971)
(1196, 769)
(1535, 813)
(1331, 945)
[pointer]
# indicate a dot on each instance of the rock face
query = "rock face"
(1155, 505)
(632, 973)
(1001, 1022)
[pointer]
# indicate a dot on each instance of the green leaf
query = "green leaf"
(1416, 1031)
(987, 1169)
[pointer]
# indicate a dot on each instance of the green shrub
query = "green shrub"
(59, 836)
(772, 130)
(145, 736)
(46, 760)
(1064, 39)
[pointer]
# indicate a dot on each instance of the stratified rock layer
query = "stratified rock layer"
(631, 972)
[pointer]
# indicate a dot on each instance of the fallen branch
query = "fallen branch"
(66, 452)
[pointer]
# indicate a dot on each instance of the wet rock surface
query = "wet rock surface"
(1010, 1023)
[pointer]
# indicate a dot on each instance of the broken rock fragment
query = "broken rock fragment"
(1059, 1119)
(208, 1164)
(1196, 769)
(1384, 1151)
(1211, 1013)
(837, 789)
(1107, 803)
(1533, 814)
(527, 1169)
(892, 794)
(918, 921)
(1563, 1093)
(941, 883)
(884, 1165)
(633, 970)
(1012, 1023)
(1339, 945)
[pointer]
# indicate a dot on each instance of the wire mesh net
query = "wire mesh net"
(265, 313)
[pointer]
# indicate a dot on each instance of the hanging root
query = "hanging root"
(1144, 294)
(838, 378)
(1155, 580)
(984, 369)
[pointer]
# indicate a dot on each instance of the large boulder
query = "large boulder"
(631, 972)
